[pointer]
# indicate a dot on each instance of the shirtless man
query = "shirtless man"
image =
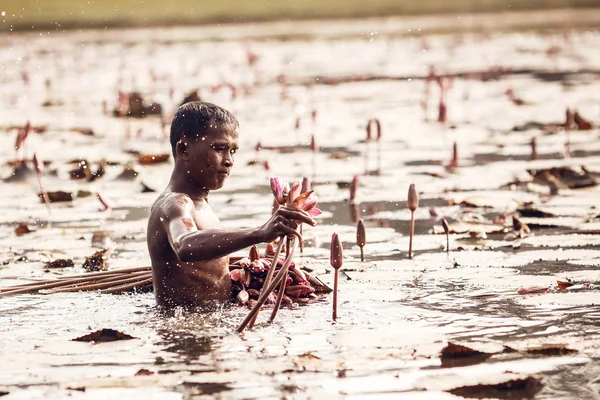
(188, 249)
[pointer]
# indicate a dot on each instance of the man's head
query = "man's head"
(204, 140)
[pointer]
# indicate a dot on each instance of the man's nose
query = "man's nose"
(228, 161)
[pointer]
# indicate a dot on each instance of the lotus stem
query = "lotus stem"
(70, 280)
(335, 292)
(447, 231)
(37, 165)
(103, 283)
(412, 232)
(123, 288)
(265, 294)
(269, 277)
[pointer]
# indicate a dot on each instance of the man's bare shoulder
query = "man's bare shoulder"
(169, 202)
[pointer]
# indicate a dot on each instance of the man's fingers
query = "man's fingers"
(297, 215)
(291, 232)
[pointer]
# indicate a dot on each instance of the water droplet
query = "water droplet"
(161, 219)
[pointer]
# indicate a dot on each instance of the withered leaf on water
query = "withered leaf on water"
(146, 159)
(58, 196)
(101, 239)
(128, 173)
(565, 175)
(96, 262)
(104, 335)
(512, 389)
(23, 229)
(82, 171)
(458, 351)
(60, 263)
(530, 212)
(550, 350)
(144, 372)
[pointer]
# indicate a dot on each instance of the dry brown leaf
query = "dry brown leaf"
(147, 159)
(144, 372)
(96, 262)
(60, 263)
(550, 350)
(23, 229)
(512, 389)
(58, 196)
(453, 350)
(104, 335)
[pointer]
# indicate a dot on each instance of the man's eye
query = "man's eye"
(219, 148)
(233, 151)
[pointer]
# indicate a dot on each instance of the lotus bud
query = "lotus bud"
(413, 198)
(254, 254)
(336, 255)
(361, 238)
(313, 144)
(305, 185)
(270, 249)
(336, 259)
(413, 204)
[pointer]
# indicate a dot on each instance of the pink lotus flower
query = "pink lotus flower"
(304, 201)
(280, 190)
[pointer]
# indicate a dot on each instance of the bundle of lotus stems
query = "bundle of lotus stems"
(138, 279)
(116, 281)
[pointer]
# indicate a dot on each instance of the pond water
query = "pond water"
(395, 314)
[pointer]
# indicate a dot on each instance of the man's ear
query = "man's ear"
(181, 150)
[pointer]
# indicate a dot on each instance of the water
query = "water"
(396, 314)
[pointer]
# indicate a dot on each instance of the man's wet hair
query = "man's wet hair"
(193, 119)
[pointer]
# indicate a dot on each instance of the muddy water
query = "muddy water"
(396, 314)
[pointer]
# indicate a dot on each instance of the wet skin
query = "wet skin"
(188, 249)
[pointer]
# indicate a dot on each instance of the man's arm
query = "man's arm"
(192, 245)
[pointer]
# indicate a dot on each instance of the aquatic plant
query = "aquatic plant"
(447, 231)
(336, 259)
(412, 204)
(38, 166)
(361, 238)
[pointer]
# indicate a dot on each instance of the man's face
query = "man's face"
(211, 157)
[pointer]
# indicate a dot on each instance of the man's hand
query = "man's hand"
(285, 222)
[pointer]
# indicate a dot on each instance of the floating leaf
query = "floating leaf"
(58, 196)
(453, 350)
(104, 335)
(96, 262)
(550, 350)
(512, 389)
(144, 372)
(147, 159)
(23, 229)
(60, 263)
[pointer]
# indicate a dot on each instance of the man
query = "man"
(188, 249)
